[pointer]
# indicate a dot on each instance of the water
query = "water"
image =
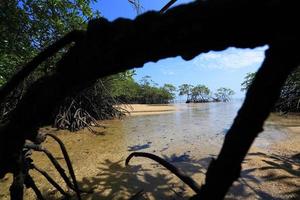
(188, 138)
(192, 127)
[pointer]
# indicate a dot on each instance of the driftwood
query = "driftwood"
(188, 30)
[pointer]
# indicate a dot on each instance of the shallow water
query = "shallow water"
(191, 124)
(188, 138)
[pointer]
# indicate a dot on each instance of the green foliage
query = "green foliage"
(185, 89)
(247, 81)
(28, 26)
(200, 93)
(289, 100)
(169, 90)
(124, 88)
(224, 94)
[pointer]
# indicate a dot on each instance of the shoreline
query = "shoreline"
(147, 109)
(100, 160)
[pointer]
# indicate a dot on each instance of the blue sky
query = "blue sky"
(215, 69)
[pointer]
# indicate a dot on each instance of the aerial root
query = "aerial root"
(29, 182)
(68, 162)
(187, 180)
(71, 184)
(51, 180)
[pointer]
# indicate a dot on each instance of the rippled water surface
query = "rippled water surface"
(188, 138)
(191, 125)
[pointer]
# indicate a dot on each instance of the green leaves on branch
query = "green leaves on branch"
(247, 81)
(289, 100)
(28, 26)
(200, 93)
(224, 94)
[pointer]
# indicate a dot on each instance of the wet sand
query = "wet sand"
(273, 172)
(148, 109)
(270, 172)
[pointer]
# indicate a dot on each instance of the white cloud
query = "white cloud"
(231, 58)
(167, 72)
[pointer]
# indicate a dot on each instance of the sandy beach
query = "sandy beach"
(148, 109)
(99, 163)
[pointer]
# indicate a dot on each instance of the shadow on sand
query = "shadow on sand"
(276, 177)
(116, 181)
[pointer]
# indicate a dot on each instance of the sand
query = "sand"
(148, 109)
(99, 163)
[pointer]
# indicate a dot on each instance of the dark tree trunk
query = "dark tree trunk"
(186, 31)
(260, 99)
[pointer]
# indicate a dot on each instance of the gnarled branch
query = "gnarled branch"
(186, 31)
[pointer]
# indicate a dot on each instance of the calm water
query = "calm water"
(192, 126)
(188, 138)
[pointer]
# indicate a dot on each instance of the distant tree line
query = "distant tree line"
(202, 94)
(289, 100)
(125, 89)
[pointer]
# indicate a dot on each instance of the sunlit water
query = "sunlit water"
(187, 137)
(191, 126)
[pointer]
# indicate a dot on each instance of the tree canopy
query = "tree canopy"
(28, 26)
(247, 81)
(201, 93)
(125, 89)
(224, 94)
(289, 100)
(185, 89)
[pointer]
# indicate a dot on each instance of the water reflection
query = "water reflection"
(192, 124)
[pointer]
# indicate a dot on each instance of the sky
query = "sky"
(214, 69)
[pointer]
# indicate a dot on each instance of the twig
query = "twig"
(167, 6)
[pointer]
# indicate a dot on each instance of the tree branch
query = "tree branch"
(262, 95)
(187, 180)
(16, 79)
(186, 31)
